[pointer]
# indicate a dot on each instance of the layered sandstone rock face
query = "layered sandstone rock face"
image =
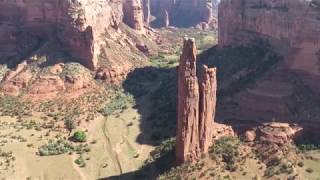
(78, 25)
(292, 22)
(292, 29)
(183, 12)
(89, 32)
(196, 106)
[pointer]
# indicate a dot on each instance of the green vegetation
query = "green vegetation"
(80, 161)
(14, 107)
(79, 136)
(227, 149)
(117, 104)
(308, 147)
(74, 69)
(164, 148)
(61, 146)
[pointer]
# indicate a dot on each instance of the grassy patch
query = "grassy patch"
(117, 104)
(226, 148)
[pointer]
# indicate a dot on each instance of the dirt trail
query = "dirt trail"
(111, 151)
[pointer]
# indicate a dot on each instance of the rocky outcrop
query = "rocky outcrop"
(133, 14)
(183, 13)
(16, 79)
(196, 105)
(82, 22)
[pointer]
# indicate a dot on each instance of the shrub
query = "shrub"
(118, 103)
(80, 136)
(300, 164)
(309, 170)
(69, 124)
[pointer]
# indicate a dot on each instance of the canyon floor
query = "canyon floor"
(118, 123)
(130, 129)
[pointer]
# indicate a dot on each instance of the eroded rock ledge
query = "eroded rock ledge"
(196, 107)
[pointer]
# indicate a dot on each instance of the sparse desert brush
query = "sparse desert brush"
(79, 136)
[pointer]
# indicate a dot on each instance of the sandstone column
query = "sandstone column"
(187, 147)
(196, 106)
(208, 88)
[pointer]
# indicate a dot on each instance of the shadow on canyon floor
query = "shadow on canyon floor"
(155, 92)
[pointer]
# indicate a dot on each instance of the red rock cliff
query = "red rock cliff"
(77, 24)
(292, 29)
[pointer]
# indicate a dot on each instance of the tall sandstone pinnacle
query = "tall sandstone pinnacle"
(196, 106)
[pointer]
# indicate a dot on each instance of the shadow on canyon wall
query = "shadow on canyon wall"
(36, 50)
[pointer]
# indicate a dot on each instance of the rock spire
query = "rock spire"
(196, 105)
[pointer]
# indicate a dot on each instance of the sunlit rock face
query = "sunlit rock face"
(77, 24)
(196, 106)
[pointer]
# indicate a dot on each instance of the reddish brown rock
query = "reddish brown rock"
(222, 130)
(208, 87)
(15, 80)
(114, 74)
(277, 133)
(77, 82)
(133, 14)
(250, 136)
(47, 85)
(188, 147)
(196, 106)
(77, 25)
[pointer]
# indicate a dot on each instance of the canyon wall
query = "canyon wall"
(290, 89)
(196, 106)
(293, 22)
(90, 32)
(76, 24)
(182, 13)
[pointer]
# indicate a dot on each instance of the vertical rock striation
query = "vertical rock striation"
(187, 147)
(208, 88)
(196, 106)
